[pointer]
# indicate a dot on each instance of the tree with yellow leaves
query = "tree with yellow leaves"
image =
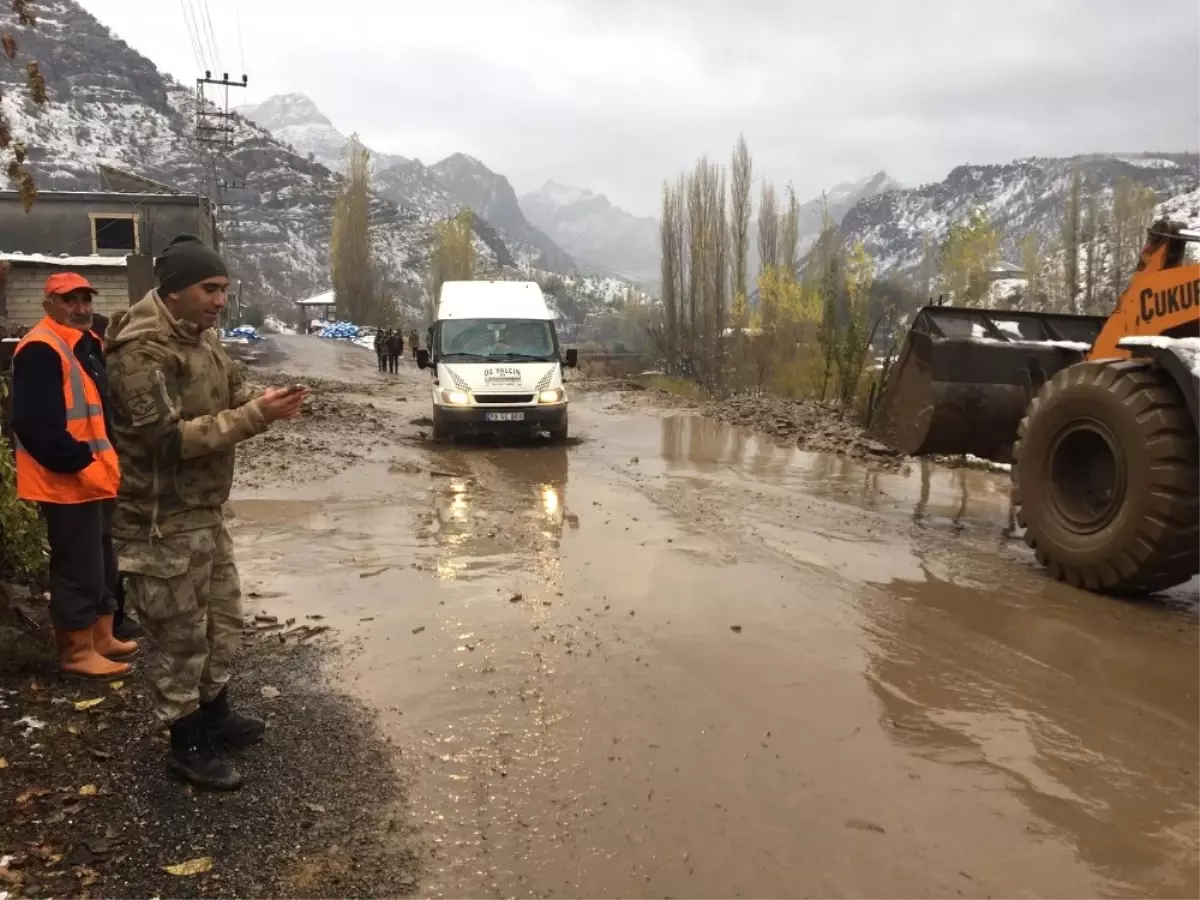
(35, 85)
(971, 251)
(356, 282)
(453, 253)
(856, 336)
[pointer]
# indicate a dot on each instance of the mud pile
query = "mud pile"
(334, 431)
(812, 425)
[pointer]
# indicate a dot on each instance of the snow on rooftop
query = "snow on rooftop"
(324, 299)
(67, 262)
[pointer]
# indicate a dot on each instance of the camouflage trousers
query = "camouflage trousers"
(187, 595)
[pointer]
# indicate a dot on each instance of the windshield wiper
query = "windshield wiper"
(529, 356)
(467, 355)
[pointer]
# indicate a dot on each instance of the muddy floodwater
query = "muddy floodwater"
(676, 659)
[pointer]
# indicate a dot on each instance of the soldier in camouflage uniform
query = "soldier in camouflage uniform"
(179, 409)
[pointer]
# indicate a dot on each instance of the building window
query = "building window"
(114, 233)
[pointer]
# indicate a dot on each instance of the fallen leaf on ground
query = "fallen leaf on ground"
(516, 598)
(81, 705)
(314, 807)
(191, 867)
(3, 763)
(72, 729)
(418, 629)
(89, 790)
(116, 685)
(270, 693)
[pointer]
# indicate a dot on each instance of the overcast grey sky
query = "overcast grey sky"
(615, 95)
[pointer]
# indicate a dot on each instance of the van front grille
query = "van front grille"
(504, 398)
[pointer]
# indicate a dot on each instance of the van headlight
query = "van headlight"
(456, 398)
(551, 396)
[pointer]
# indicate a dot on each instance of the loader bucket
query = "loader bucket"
(964, 377)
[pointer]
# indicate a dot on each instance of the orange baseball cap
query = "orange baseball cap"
(65, 282)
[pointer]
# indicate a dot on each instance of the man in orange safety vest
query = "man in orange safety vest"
(66, 464)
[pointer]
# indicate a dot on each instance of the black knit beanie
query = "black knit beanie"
(185, 262)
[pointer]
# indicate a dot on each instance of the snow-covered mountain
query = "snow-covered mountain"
(1024, 196)
(458, 181)
(492, 198)
(109, 105)
(590, 228)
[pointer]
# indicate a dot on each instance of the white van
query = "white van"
(496, 361)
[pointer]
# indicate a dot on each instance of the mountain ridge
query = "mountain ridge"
(455, 182)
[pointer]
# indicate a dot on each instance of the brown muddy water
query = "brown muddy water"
(674, 659)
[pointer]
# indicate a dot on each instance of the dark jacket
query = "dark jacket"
(395, 344)
(39, 410)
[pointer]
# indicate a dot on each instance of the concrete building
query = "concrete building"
(110, 237)
(23, 276)
(102, 223)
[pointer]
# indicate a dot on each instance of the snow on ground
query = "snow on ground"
(275, 325)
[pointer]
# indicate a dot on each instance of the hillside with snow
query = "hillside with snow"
(591, 229)
(1022, 197)
(110, 105)
(295, 120)
(456, 182)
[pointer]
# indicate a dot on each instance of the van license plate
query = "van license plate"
(505, 417)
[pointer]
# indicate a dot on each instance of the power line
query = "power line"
(197, 54)
(206, 57)
(237, 9)
(212, 34)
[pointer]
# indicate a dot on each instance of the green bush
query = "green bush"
(23, 546)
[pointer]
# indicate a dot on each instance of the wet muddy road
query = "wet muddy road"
(674, 659)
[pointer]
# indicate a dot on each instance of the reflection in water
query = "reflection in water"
(1090, 732)
(509, 512)
(706, 445)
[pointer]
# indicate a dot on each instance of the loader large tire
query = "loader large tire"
(1106, 473)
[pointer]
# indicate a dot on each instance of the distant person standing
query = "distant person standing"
(414, 341)
(381, 349)
(395, 351)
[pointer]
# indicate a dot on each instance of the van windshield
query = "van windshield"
(494, 339)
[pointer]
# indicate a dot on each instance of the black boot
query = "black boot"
(194, 759)
(127, 629)
(228, 727)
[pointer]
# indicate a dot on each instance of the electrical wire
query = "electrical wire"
(197, 55)
(212, 35)
(237, 9)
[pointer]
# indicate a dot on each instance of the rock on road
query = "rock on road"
(676, 659)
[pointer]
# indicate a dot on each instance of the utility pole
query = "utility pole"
(212, 125)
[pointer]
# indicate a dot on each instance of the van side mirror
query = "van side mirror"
(422, 358)
(572, 359)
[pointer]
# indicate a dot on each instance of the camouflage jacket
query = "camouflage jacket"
(179, 409)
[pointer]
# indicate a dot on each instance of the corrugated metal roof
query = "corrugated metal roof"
(67, 262)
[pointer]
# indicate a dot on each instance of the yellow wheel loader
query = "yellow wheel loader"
(1098, 417)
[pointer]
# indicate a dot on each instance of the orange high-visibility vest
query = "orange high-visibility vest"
(85, 422)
